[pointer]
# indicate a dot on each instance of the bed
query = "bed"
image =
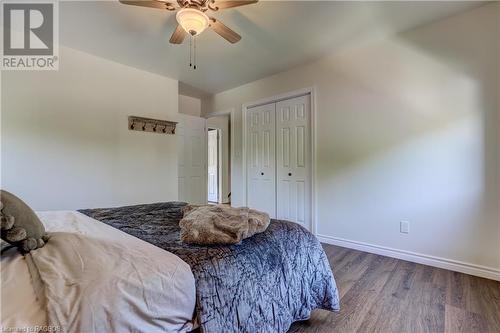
(22, 307)
(262, 284)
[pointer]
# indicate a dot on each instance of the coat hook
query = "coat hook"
(151, 125)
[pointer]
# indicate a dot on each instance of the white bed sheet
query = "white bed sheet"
(18, 308)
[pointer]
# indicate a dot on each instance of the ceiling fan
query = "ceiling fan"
(192, 18)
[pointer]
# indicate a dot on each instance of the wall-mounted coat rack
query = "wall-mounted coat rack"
(151, 125)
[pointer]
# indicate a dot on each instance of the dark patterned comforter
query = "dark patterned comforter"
(263, 284)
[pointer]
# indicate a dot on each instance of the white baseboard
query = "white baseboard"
(452, 265)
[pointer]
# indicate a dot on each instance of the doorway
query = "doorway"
(213, 166)
(219, 162)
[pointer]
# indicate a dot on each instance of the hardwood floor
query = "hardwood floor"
(381, 294)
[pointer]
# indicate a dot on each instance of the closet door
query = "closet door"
(261, 171)
(293, 157)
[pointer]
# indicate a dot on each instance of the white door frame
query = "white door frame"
(273, 99)
(219, 162)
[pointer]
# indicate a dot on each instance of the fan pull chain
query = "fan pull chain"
(194, 52)
(190, 51)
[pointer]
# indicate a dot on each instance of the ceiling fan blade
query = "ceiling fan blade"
(226, 33)
(223, 4)
(150, 4)
(178, 35)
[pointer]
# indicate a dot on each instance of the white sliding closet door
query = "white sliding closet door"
(192, 156)
(293, 160)
(261, 172)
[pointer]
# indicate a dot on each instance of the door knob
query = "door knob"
(289, 173)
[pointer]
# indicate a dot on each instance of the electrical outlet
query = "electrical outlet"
(404, 227)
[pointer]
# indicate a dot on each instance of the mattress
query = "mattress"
(21, 309)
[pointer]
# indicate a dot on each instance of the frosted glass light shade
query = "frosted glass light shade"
(192, 20)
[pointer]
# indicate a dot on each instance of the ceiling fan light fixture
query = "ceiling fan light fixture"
(192, 20)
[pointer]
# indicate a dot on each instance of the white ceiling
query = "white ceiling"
(277, 35)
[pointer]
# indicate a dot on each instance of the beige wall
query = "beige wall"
(498, 105)
(204, 97)
(190, 105)
(407, 129)
(65, 142)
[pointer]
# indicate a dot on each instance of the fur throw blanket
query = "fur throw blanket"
(220, 224)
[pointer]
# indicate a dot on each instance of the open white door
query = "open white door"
(213, 163)
(192, 159)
